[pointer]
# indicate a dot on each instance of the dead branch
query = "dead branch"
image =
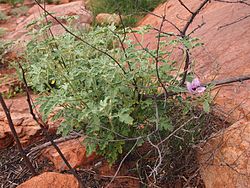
(198, 27)
(157, 59)
(165, 20)
(234, 22)
(234, 2)
(229, 81)
(47, 144)
(14, 133)
(180, 1)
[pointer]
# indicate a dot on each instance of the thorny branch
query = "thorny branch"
(157, 59)
(14, 133)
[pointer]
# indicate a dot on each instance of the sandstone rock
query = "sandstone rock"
(51, 180)
(225, 53)
(61, 12)
(26, 128)
(225, 159)
(73, 150)
(107, 19)
(6, 139)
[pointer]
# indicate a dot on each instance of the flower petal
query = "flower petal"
(196, 83)
(200, 89)
(189, 87)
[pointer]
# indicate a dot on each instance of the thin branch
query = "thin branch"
(165, 33)
(229, 81)
(234, 22)
(198, 27)
(13, 131)
(180, 1)
(121, 41)
(176, 130)
(140, 44)
(120, 177)
(157, 59)
(123, 27)
(165, 20)
(157, 166)
(154, 171)
(186, 66)
(234, 2)
(47, 144)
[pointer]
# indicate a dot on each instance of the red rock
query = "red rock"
(27, 129)
(6, 139)
(225, 53)
(225, 158)
(73, 150)
(51, 180)
(75, 8)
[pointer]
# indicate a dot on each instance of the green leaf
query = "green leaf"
(165, 124)
(176, 89)
(126, 118)
(206, 106)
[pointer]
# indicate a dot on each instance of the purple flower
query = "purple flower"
(195, 86)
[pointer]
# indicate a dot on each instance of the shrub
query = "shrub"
(12, 2)
(131, 9)
(19, 11)
(2, 32)
(3, 16)
(107, 101)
